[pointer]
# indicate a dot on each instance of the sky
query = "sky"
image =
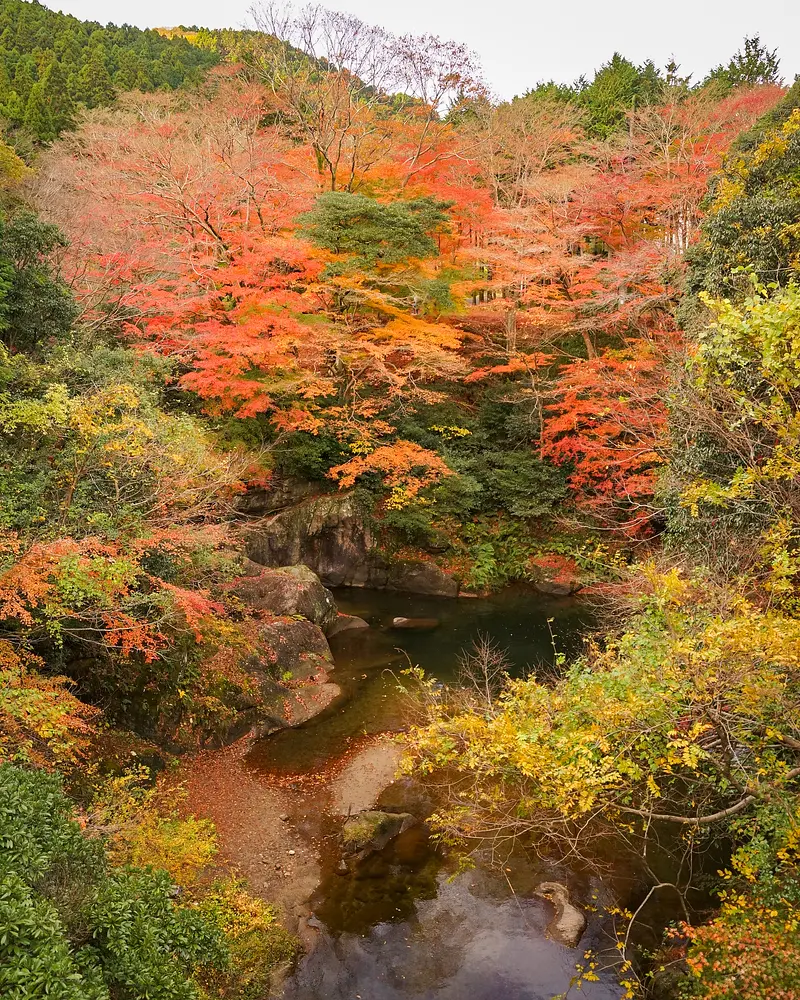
(522, 42)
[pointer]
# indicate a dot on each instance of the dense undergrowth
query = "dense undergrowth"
(555, 337)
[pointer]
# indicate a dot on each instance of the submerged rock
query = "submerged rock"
(416, 623)
(288, 590)
(372, 830)
(569, 923)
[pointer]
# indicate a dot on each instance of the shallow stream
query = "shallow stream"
(406, 925)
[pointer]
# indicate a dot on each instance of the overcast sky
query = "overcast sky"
(521, 42)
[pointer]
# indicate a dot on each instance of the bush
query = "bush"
(74, 928)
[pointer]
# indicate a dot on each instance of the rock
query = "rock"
(555, 589)
(418, 577)
(415, 623)
(334, 536)
(290, 664)
(294, 646)
(291, 853)
(569, 923)
(372, 830)
(280, 493)
(408, 795)
(359, 784)
(289, 590)
(284, 817)
(346, 623)
(342, 868)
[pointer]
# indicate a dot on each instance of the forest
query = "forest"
(549, 342)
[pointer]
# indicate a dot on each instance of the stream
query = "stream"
(406, 924)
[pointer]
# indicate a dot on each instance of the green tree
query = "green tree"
(752, 65)
(95, 87)
(34, 305)
(373, 232)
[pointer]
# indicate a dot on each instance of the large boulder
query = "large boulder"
(289, 590)
(372, 830)
(329, 534)
(419, 577)
(290, 663)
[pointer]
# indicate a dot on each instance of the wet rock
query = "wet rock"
(372, 830)
(569, 923)
(288, 590)
(346, 623)
(416, 623)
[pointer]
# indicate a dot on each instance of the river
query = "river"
(407, 925)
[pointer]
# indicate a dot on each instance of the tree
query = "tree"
(34, 304)
(335, 82)
(752, 65)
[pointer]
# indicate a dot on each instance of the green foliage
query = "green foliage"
(51, 64)
(373, 233)
(752, 220)
(738, 412)
(752, 65)
(73, 927)
(34, 305)
(617, 87)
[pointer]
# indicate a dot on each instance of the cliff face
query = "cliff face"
(333, 536)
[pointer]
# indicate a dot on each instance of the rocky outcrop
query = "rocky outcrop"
(568, 923)
(372, 830)
(329, 534)
(334, 537)
(289, 590)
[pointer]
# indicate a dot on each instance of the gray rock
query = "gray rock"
(421, 578)
(289, 590)
(297, 647)
(282, 492)
(569, 923)
(334, 536)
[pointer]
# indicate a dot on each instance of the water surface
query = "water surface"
(405, 925)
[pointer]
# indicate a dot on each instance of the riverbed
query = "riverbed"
(406, 924)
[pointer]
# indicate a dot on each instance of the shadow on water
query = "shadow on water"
(402, 925)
